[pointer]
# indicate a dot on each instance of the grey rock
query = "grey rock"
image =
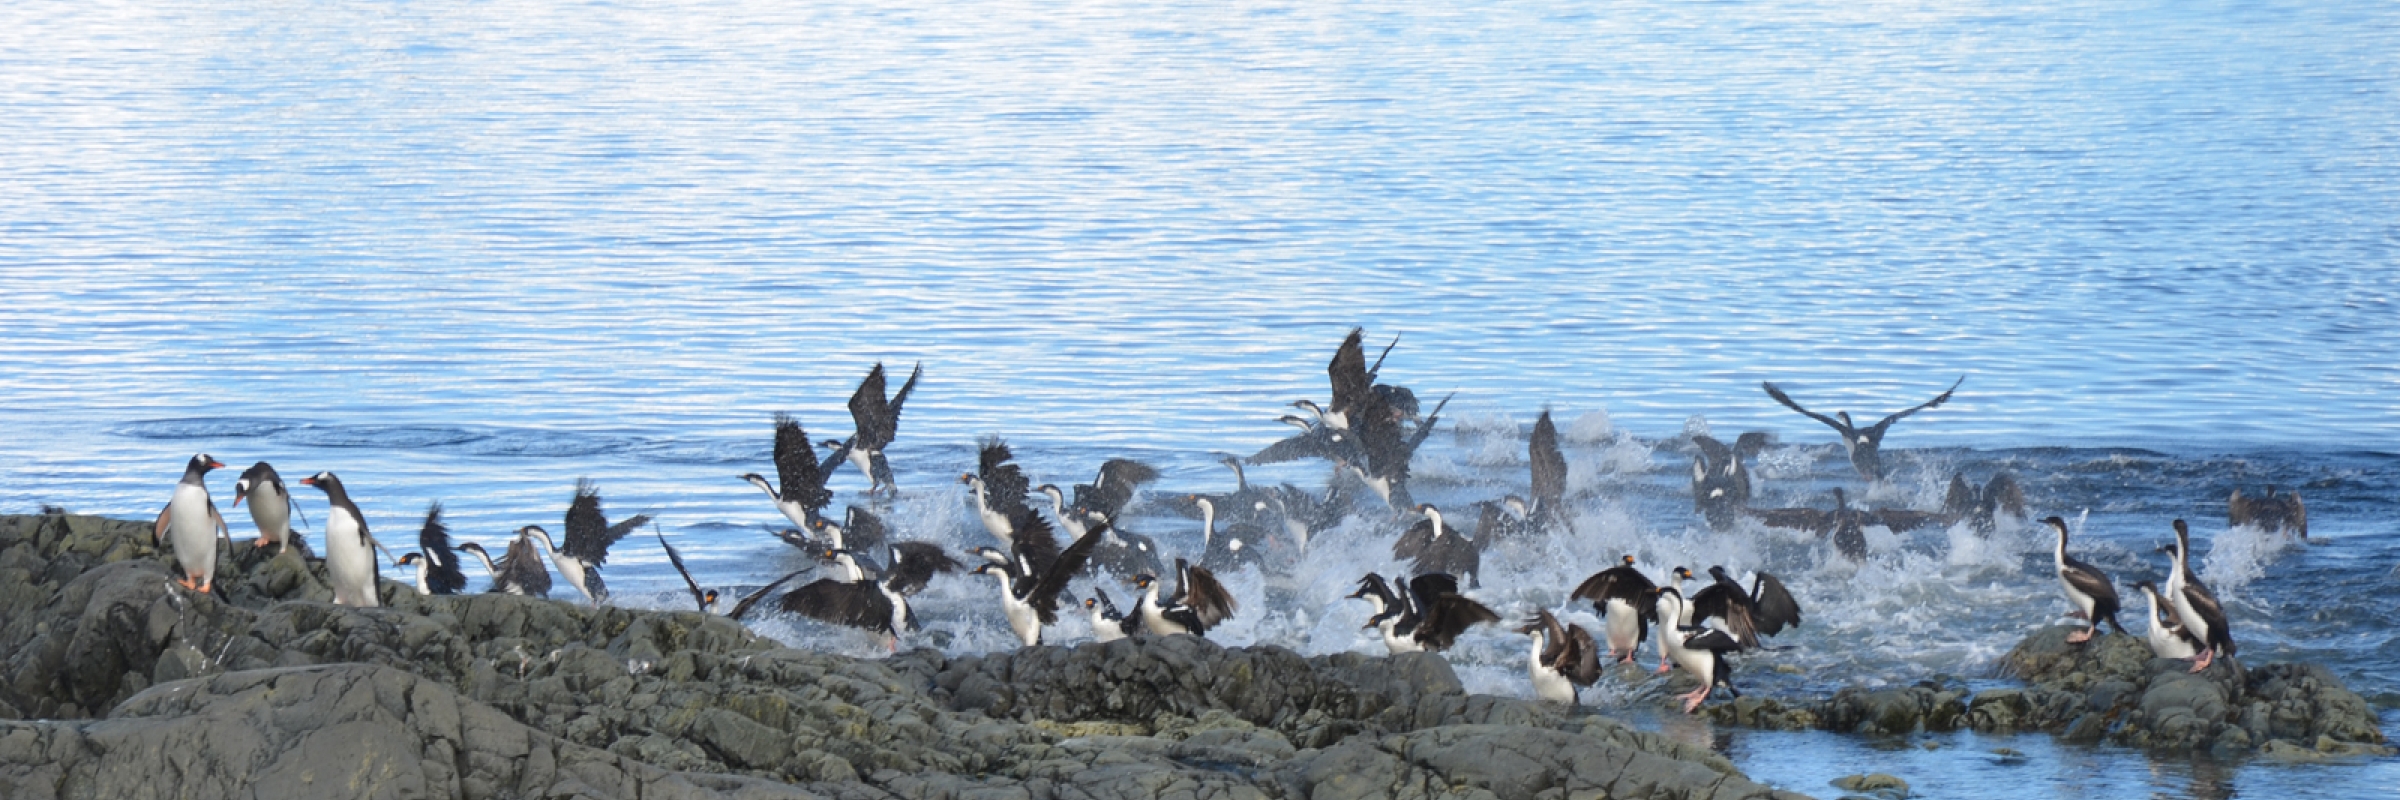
(139, 688)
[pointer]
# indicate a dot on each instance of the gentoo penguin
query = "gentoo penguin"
(2268, 511)
(1721, 478)
(1233, 548)
(878, 422)
(1862, 444)
(2167, 636)
(1426, 614)
(191, 523)
(1030, 599)
(2195, 605)
(349, 546)
(997, 488)
(915, 563)
(1983, 509)
(706, 599)
(1198, 604)
(270, 506)
(1621, 595)
(2088, 589)
(588, 536)
(519, 570)
(436, 562)
(1764, 610)
(801, 476)
(1549, 476)
(1699, 650)
(1562, 659)
(1434, 546)
(1107, 624)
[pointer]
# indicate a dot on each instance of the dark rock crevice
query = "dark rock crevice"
(121, 684)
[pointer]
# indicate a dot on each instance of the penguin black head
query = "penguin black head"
(1683, 574)
(203, 462)
(325, 481)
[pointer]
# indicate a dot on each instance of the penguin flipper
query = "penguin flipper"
(158, 533)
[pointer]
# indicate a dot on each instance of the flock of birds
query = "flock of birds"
(1368, 432)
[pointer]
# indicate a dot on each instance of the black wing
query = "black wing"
(1785, 399)
(1425, 588)
(1114, 487)
(742, 608)
(858, 605)
(1312, 443)
(1004, 485)
(522, 567)
(1808, 519)
(1724, 600)
(901, 398)
(2003, 494)
(1620, 583)
(1448, 616)
(1777, 609)
(1549, 463)
(1903, 520)
(1044, 594)
(863, 531)
(1412, 542)
(2091, 581)
(1353, 388)
(915, 563)
(1582, 662)
(1944, 398)
(867, 410)
(698, 596)
(588, 533)
(1206, 598)
(797, 469)
(1960, 500)
(1034, 542)
(442, 574)
(1710, 639)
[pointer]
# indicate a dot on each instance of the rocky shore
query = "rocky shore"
(2110, 690)
(123, 685)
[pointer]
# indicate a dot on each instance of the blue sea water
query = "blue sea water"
(470, 252)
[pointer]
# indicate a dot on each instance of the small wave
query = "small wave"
(544, 444)
(200, 428)
(390, 436)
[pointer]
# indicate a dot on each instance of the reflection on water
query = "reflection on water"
(474, 251)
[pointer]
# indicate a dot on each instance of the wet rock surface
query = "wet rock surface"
(2111, 689)
(121, 684)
